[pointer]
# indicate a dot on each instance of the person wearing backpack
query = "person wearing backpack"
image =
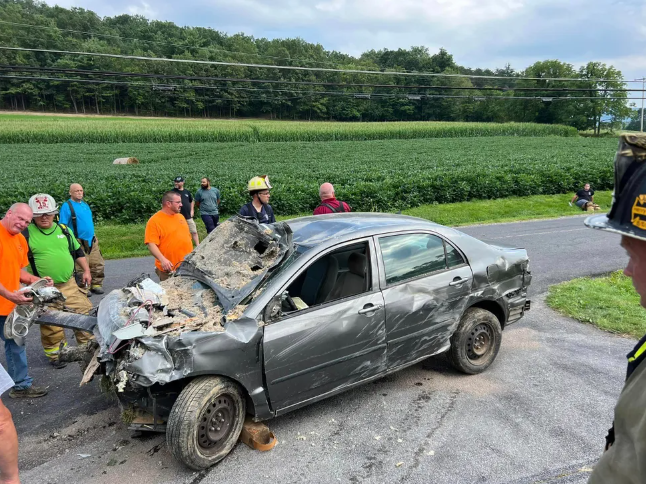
(53, 251)
(77, 215)
(329, 203)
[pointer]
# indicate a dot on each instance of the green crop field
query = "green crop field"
(66, 129)
(384, 175)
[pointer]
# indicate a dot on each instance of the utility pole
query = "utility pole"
(641, 126)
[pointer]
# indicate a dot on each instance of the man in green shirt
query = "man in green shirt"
(53, 249)
(207, 199)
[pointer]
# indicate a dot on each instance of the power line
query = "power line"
(18, 68)
(94, 34)
(357, 95)
(297, 68)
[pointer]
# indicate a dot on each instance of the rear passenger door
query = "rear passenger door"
(424, 281)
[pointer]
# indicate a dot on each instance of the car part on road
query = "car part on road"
(19, 321)
(257, 436)
(476, 342)
(205, 422)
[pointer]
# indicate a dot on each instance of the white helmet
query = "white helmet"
(42, 203)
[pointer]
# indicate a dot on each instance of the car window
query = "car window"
(337, 275)
(453, 257)
(411, 255)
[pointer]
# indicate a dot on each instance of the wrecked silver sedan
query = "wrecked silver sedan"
(264, 319)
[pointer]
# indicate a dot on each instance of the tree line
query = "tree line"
(285, 94)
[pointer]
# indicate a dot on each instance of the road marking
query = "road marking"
(534, 233)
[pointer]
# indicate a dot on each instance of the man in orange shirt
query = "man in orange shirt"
(167, 236)
(13, 259)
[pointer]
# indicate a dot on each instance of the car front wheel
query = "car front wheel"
(205, 421)
(476, 342)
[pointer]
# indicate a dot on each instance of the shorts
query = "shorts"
(581, 202)
(192, 228)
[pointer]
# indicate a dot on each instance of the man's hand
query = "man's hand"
(50, 281)
(167, 265)
(18, 297)
(87, 277)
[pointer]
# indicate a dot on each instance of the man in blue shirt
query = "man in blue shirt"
(77, 215)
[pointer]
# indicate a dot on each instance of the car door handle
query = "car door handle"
(457, 281)
(370, 308)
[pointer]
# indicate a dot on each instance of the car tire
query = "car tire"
(476, 342)
(205, 421)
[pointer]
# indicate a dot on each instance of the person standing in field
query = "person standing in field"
(167, 236)
(584, 199)
(624, 459)
(8, 436)
(207, 199)
(76, 214)
(188, 207)
(53, 252)
(329, 203)
(13, 260)
(259, 207)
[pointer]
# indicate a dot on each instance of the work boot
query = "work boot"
(97, 290)
(58, 364)
(31, 392)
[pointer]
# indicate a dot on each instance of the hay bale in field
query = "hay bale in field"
(126, 161)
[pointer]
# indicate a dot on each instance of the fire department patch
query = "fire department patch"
(638, 218)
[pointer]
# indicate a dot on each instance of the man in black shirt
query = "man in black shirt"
(188, 207)
(584, 199)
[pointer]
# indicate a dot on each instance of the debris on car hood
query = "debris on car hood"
(139, 326)
(236, 257)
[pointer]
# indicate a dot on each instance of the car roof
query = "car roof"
(320, 229)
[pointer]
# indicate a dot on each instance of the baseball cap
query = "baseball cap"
(179, 179)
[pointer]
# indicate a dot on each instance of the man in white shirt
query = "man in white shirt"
(8, 437)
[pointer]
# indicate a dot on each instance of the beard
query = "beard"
(205, 186)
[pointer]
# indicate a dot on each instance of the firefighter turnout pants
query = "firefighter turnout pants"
(95, 261)
(76, 301)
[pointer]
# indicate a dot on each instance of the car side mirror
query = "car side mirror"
(273, 310)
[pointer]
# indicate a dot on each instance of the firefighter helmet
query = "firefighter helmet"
(42, 203)
(259, 183)
(627, 214)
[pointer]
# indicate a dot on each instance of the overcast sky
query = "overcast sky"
(479, 33)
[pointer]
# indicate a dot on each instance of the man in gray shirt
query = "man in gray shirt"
(8, 436)
(207, 199)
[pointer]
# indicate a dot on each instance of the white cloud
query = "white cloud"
(143, 8)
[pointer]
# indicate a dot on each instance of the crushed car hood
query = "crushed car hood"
(140, 324)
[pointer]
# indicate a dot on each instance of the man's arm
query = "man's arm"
(8, 448)
(64, 214)
(87, 275)
(29, 279)
(574, 198)
(15, 296)
(193, 209)
(167, 266)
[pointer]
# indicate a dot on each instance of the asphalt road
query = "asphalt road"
(539, 414)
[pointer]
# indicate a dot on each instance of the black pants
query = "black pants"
(211, 221)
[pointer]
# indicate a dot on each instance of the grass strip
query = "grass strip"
(121, 241)
(610, 303)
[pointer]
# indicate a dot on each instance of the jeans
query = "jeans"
(16, 360)
(211, 221)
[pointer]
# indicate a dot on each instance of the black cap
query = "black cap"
(627, 215)
(178, 179)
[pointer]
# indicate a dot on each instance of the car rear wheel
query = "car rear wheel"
(205, 421)
(476, 342)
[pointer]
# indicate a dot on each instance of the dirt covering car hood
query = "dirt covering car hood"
(138, 325)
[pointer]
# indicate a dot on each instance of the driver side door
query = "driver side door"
(318, 350)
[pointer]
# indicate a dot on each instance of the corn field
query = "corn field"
(52, 129)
